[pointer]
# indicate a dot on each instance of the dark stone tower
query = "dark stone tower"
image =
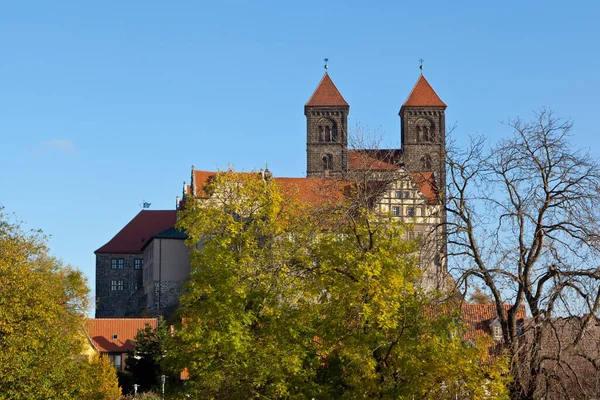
(423, 132)
(326, 131)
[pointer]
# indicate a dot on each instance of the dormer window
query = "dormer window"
(496, 329)
(115, 336)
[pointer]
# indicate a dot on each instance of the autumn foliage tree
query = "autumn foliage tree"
(320, 300)
(42, 311)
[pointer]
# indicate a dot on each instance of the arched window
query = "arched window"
(321, 137)
(431, 135)
(426, 163)
(327, 162)
(420, 133)
(425, 131)
(327, 134)
(334, 134)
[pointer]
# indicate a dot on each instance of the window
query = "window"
(138, 263)
(115, 336)
(426, 163)
(406, 195)
(396, 211)
(398, 195)
(117, 263)
(410, 211)
(116, 285)
(327, 162)
(321, 137)
(497, 331)
(327, 134)
(115, 360)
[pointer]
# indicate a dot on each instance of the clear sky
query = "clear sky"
(105, 105)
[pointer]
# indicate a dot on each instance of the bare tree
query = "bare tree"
(523, 220)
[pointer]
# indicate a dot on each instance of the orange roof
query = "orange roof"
(423, 95)
(361, 161)
(309, 190)
(102, 331)
(140, 229)
(326, 94)
(425, 181)
(477, 317)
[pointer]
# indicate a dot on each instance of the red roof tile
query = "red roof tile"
(101, 331)
(361, 161)
(326, 94)
(140, 229)
(425, 181)
(309, 190)
(423, 95)
(477, 317)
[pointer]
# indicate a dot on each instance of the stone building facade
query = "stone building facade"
(120, 265)
(414, 175)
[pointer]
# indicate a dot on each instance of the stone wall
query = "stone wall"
(118, 300)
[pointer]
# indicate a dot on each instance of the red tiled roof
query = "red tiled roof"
(425, 181)
(309, 190)
(477, 317)
(423, 95)
(101, 331)
(140, 229)
(361, 161)
(326, 94)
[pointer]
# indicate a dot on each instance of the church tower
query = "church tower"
(326, 131)
(423, 132)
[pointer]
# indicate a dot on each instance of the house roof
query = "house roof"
(102, 331)
(423, 95)
(308, 190)
(478, 317)
(140, 229)
(326, 94)
(360, 160)
(425, 181)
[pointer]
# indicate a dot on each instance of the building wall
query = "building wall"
(118, 290)
(334, 118)
(166, 269)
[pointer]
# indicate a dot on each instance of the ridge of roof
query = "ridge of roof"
(326, 94)
(423, 95)
(132, 237)
(362, 161)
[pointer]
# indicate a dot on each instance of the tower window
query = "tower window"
(321, 136)
(426, 163)
(116, 285)
(327, 134)
(327, 162)
(334, 134)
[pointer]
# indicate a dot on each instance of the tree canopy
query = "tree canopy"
(42, 306)
(319, 300)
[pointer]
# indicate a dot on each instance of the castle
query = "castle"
(146, 264)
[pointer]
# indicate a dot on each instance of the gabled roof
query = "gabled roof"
(139, 230)
(425, 181)
(101, 331)
(326, 94)
(423, 95)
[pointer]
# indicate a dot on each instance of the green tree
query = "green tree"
(144, 364)
(313, 300)
(42, 307)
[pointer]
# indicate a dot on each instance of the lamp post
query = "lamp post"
(163, 378)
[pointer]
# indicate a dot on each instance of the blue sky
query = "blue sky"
(108, 104)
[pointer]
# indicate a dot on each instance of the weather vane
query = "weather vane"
(145, 204)
(326, 66)
(421, 65)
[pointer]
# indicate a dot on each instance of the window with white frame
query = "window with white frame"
(116, 285)
(138, 263)
(117, 263)
(396, 211)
